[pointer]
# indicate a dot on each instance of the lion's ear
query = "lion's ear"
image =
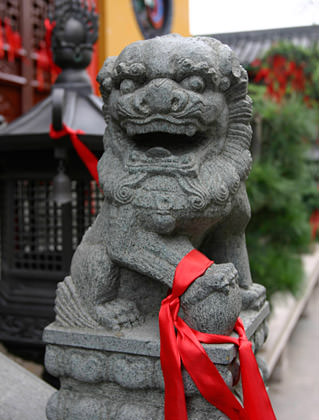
(104, 77)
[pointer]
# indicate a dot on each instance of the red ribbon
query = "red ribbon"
(84, 153)
(181, 344)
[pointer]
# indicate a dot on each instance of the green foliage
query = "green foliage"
(279, 214)
(279, 229)
(274, 266)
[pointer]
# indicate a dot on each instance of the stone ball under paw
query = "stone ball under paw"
(217, 313)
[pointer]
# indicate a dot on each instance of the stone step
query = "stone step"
(22, 394)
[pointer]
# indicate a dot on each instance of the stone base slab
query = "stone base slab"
(117, 375)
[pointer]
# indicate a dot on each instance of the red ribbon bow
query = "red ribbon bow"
(184, 346)
(84, 153)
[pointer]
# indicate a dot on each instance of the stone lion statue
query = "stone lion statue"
(173, 171)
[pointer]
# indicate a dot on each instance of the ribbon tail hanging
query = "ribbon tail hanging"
(86, 156)
(84, 153)
(205, 374)
(256, 400)
(175, 402)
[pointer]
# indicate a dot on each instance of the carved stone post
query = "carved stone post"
(173, 171)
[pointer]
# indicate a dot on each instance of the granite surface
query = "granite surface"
(173, 175)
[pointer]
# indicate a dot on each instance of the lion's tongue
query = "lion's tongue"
(158, 152)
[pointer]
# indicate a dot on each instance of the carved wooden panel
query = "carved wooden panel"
(10, 106)
(25, 17)
(11, 9)
(39, 13)
(10, 67)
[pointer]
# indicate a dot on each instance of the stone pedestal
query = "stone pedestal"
(117, 375)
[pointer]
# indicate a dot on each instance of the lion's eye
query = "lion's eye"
(127, 86)
(195, 83)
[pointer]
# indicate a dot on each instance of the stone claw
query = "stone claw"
(254, 297)
(118, 314)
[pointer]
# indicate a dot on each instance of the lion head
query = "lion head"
(178, 116)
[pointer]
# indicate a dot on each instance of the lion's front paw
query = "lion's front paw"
(118, 313)
(254, 297)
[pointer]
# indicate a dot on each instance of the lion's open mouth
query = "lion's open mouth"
(161, 144)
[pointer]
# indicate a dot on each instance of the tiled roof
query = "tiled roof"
(253, 44)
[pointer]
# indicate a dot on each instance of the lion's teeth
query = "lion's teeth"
(190, 130)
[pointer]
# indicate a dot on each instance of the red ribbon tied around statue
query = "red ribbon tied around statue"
(182, 344)
(84, 153)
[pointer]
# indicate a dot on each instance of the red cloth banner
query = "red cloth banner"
(181, 344)
(84, 153)
(55, 70)
(45, 60)
(1, 41)
(314, 223)
(13, 40)
(44, 53)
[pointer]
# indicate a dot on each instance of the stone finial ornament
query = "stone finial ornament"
(74, 34)
(173, 171)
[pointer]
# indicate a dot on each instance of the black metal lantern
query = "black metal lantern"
(48, 197)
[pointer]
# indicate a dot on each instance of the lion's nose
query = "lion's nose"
(161, 96)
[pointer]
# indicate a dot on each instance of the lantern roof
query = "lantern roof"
(62, 106)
